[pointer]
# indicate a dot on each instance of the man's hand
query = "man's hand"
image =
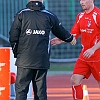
(88, 53)
(73, 42)
(55, 41)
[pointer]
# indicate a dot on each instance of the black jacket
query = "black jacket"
(29, 35)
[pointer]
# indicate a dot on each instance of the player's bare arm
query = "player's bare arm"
(56, 41)
(88, 53)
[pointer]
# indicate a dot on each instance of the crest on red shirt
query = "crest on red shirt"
(89, 23)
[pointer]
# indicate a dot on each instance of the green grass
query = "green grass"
(61, 66)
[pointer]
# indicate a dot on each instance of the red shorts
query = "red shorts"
(86, 68)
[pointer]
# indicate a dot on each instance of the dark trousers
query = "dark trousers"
(38, 78)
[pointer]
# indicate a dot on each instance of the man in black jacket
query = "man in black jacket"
(29, 39)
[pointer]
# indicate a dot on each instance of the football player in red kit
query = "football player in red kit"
(88, 26)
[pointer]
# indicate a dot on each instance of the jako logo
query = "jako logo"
(40, 32)
(28, 31)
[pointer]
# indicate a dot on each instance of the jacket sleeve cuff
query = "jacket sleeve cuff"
(69, 39)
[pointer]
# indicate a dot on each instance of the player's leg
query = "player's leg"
(76, 79)
(23, 79)
(95, 69)
(39, 85)
(76, 86)
(81, 71)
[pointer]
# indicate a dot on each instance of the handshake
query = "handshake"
(56, 41)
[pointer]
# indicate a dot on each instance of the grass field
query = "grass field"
(61, 66)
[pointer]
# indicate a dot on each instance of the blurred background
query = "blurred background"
(63, 56)
(66, 10)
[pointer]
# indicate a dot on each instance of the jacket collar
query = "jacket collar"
(35, 5)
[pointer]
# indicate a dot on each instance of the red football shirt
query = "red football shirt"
(88, 26)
